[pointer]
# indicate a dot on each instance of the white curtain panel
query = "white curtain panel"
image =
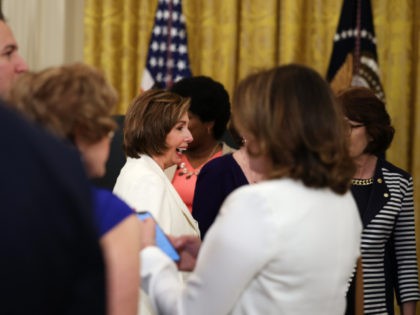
(49, 32)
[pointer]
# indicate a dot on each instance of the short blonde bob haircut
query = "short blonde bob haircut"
(292, 117)
(149, 119)
(66, 100)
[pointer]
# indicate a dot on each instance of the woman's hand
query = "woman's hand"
(409, 308)
(188, 247)
(148, 231)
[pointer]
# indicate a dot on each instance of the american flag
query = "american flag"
(167, 59)
(354, 61)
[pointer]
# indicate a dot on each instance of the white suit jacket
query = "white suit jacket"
(144, 186)
(277, 247)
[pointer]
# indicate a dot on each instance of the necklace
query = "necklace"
(362, 182)
(185, 171)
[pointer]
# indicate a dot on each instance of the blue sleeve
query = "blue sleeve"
(109, 210)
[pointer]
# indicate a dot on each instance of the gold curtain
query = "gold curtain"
(229, 39)
(116, 40)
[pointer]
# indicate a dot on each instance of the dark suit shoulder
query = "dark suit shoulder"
(50, 252)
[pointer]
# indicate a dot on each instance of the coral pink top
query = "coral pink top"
(185, 179)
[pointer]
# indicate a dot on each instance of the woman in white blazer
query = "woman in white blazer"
(155, 136)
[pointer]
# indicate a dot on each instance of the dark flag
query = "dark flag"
(167, 58)
(354, 61)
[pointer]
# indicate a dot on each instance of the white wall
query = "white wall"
(49, 32)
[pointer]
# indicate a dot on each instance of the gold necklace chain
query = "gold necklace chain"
(362, 182)
(184, 170)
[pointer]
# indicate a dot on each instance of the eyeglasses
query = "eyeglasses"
(350, 127)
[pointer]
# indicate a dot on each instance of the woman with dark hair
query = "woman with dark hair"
(384, 195)
(288, 244)
(155, 136)
(208, 114)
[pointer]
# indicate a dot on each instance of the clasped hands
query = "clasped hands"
(187, 246)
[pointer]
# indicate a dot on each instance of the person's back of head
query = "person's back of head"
(209, 101)
(67, 100)
(290, 114)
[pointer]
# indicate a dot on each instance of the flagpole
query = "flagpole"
(167, 58)
(356, 60)
(169, 79)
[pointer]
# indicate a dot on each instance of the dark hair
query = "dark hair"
(238, 140)
(150, 117)
(362, 105)
(291, 116)
(209, 101)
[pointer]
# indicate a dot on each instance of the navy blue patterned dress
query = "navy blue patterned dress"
(388, 249)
